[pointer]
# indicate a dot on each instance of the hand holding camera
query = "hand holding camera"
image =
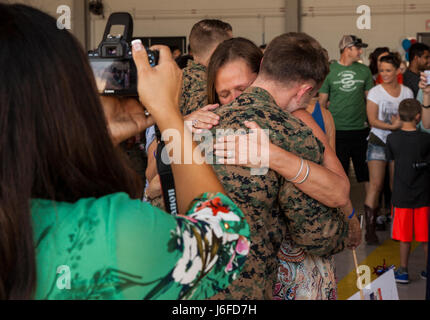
(117, 76)
(112, 62)
(158, 86)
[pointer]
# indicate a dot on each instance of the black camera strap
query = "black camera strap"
(166, 178)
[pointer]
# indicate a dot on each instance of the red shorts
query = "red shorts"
(408, 220)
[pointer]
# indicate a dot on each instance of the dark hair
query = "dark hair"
(206, 34)
(417, 50)
(182, 61)
(392, 59)
(409, 109)
(228, 51)
(295, 57)
(373, 58)
(54, 141)
(173, 48)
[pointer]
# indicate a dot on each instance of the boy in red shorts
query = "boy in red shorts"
(409, 151)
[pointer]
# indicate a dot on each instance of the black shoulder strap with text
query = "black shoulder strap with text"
(166, 177)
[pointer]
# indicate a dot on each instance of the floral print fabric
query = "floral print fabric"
(117, 248)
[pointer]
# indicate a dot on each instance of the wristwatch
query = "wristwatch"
(426, 107)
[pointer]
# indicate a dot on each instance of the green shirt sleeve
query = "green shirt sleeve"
(186, 257)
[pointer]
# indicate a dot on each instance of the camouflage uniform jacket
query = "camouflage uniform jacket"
(272, 205)
(194, 88)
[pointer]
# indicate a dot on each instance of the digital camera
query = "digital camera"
(112, 62)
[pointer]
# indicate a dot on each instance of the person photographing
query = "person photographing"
(68, 196)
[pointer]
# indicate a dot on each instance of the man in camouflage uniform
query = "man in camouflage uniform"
(194, 93)
(272, 205)
(205, 37)
(265, 199)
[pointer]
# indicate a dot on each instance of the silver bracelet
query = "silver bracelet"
(300, 171)
(308, 170)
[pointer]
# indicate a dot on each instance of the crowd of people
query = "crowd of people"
(71, 197)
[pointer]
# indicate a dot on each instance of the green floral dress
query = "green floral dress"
(118, 248)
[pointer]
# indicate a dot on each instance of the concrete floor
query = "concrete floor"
(387, 249)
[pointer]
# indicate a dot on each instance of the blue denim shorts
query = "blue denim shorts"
(375, 152)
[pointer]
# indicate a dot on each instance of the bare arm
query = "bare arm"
(332, 163)
(330, 128)
(151, 170)
(154, 188)
(159, 89)
(323, 185)
(323, 99)
(372, 115)
(331, 173)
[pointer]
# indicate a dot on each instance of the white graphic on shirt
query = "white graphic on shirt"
(347, 81)
(387, 110)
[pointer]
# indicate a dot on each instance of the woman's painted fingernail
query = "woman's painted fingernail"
(137, 45)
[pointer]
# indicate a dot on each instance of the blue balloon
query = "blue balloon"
(407, 56)
(406, 44)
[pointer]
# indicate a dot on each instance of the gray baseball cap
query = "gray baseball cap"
(351, 41)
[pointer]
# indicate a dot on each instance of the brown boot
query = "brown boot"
(370, 216)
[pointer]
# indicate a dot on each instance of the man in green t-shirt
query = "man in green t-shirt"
(346, 87)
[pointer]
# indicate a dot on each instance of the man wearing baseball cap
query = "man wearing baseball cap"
(346, 88)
